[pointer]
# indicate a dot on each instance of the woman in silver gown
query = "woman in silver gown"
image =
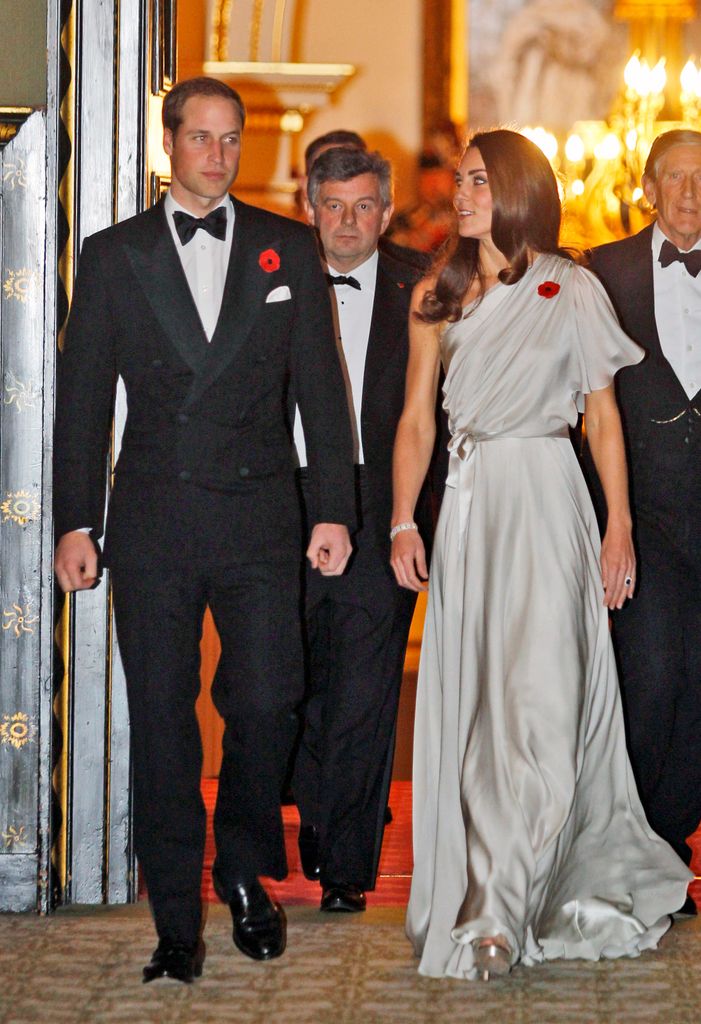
(530, 842)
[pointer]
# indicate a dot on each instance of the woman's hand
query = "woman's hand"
(617, 565)
(408, 560)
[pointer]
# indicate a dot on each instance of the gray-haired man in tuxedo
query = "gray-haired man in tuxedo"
(654, 280)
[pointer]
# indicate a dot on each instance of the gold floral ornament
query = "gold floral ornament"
(17, 730)
(20, 507)
(19, 620)
(15, 175)
(19, 395)
(15, 837)
(19, 284)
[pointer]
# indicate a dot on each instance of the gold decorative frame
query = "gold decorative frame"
(11, 120)
(164, 52)
(158, 186)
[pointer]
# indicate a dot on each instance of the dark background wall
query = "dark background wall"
(22, 53)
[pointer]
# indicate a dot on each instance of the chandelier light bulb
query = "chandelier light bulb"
(574, 149)
(690, 79)
(658, 77)
(609, 148)
(631, 74)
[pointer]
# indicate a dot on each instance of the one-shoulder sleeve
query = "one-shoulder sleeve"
(602, 346)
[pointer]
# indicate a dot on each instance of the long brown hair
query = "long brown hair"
(526, 215)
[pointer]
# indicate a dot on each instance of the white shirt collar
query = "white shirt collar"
(364, 274)
(171, 205)
(658, 237)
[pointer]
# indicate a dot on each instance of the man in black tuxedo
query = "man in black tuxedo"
(210, 310)
(357, 631)
(654, 281)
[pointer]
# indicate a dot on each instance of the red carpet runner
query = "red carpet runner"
(395, 863)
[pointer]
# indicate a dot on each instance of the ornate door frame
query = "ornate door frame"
(65, 815)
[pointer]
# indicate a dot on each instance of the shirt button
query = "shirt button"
(157, 364)
(184, 474)
(244, 471)
(183, 417)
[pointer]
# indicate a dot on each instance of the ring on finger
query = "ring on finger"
(628, 580)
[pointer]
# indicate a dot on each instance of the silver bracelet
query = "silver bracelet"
(400, 527)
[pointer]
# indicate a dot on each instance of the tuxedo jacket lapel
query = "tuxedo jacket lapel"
(390, 308)
(159, 273)
(244, 294)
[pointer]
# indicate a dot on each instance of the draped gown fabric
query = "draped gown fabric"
(527, 821)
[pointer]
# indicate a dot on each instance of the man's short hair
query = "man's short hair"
(340, 137)
(183, 91)
(662, 145)
(343, 164)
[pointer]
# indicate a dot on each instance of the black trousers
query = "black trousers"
(658, 643)
(357, 630)
(159, 607)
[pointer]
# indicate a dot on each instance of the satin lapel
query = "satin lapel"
(643, 290)
(638, 278)
(390, 312)
(160, 275)
(244, 292)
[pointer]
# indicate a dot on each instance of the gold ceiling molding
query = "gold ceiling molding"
(221, 24)
(632, 10)
(256, 19)
(11, 120)
(220, 29)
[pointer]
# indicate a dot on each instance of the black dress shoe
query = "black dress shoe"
(175, 960)
(342, 898)
(260, 926)
(308, 841)
(687, 909)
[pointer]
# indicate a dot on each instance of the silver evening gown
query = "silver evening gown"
(527, 821)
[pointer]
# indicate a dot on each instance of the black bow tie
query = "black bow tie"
(343, 280)
(214, 223)
(691, 260)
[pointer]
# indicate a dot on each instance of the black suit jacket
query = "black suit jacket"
(662, 427)
(383, 392)
(212, 414)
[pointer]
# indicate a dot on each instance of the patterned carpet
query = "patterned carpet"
(83, 966)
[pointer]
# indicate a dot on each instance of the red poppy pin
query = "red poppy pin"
(269, 261)
(548, 289)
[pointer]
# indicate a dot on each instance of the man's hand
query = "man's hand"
(329, 548)
(75, 561)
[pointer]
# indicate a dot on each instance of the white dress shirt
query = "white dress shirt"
(205, 260)
(678, 315)
(352, 317)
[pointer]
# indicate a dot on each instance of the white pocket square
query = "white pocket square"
(279, 294)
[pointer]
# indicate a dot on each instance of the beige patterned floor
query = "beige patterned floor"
(83, 965)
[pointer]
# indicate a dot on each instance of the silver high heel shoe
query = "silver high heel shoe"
(492, 957)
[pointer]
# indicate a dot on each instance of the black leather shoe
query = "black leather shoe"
(175, 960)
(687, 909)
(308, 841)
(260, 926)
(342, 898)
